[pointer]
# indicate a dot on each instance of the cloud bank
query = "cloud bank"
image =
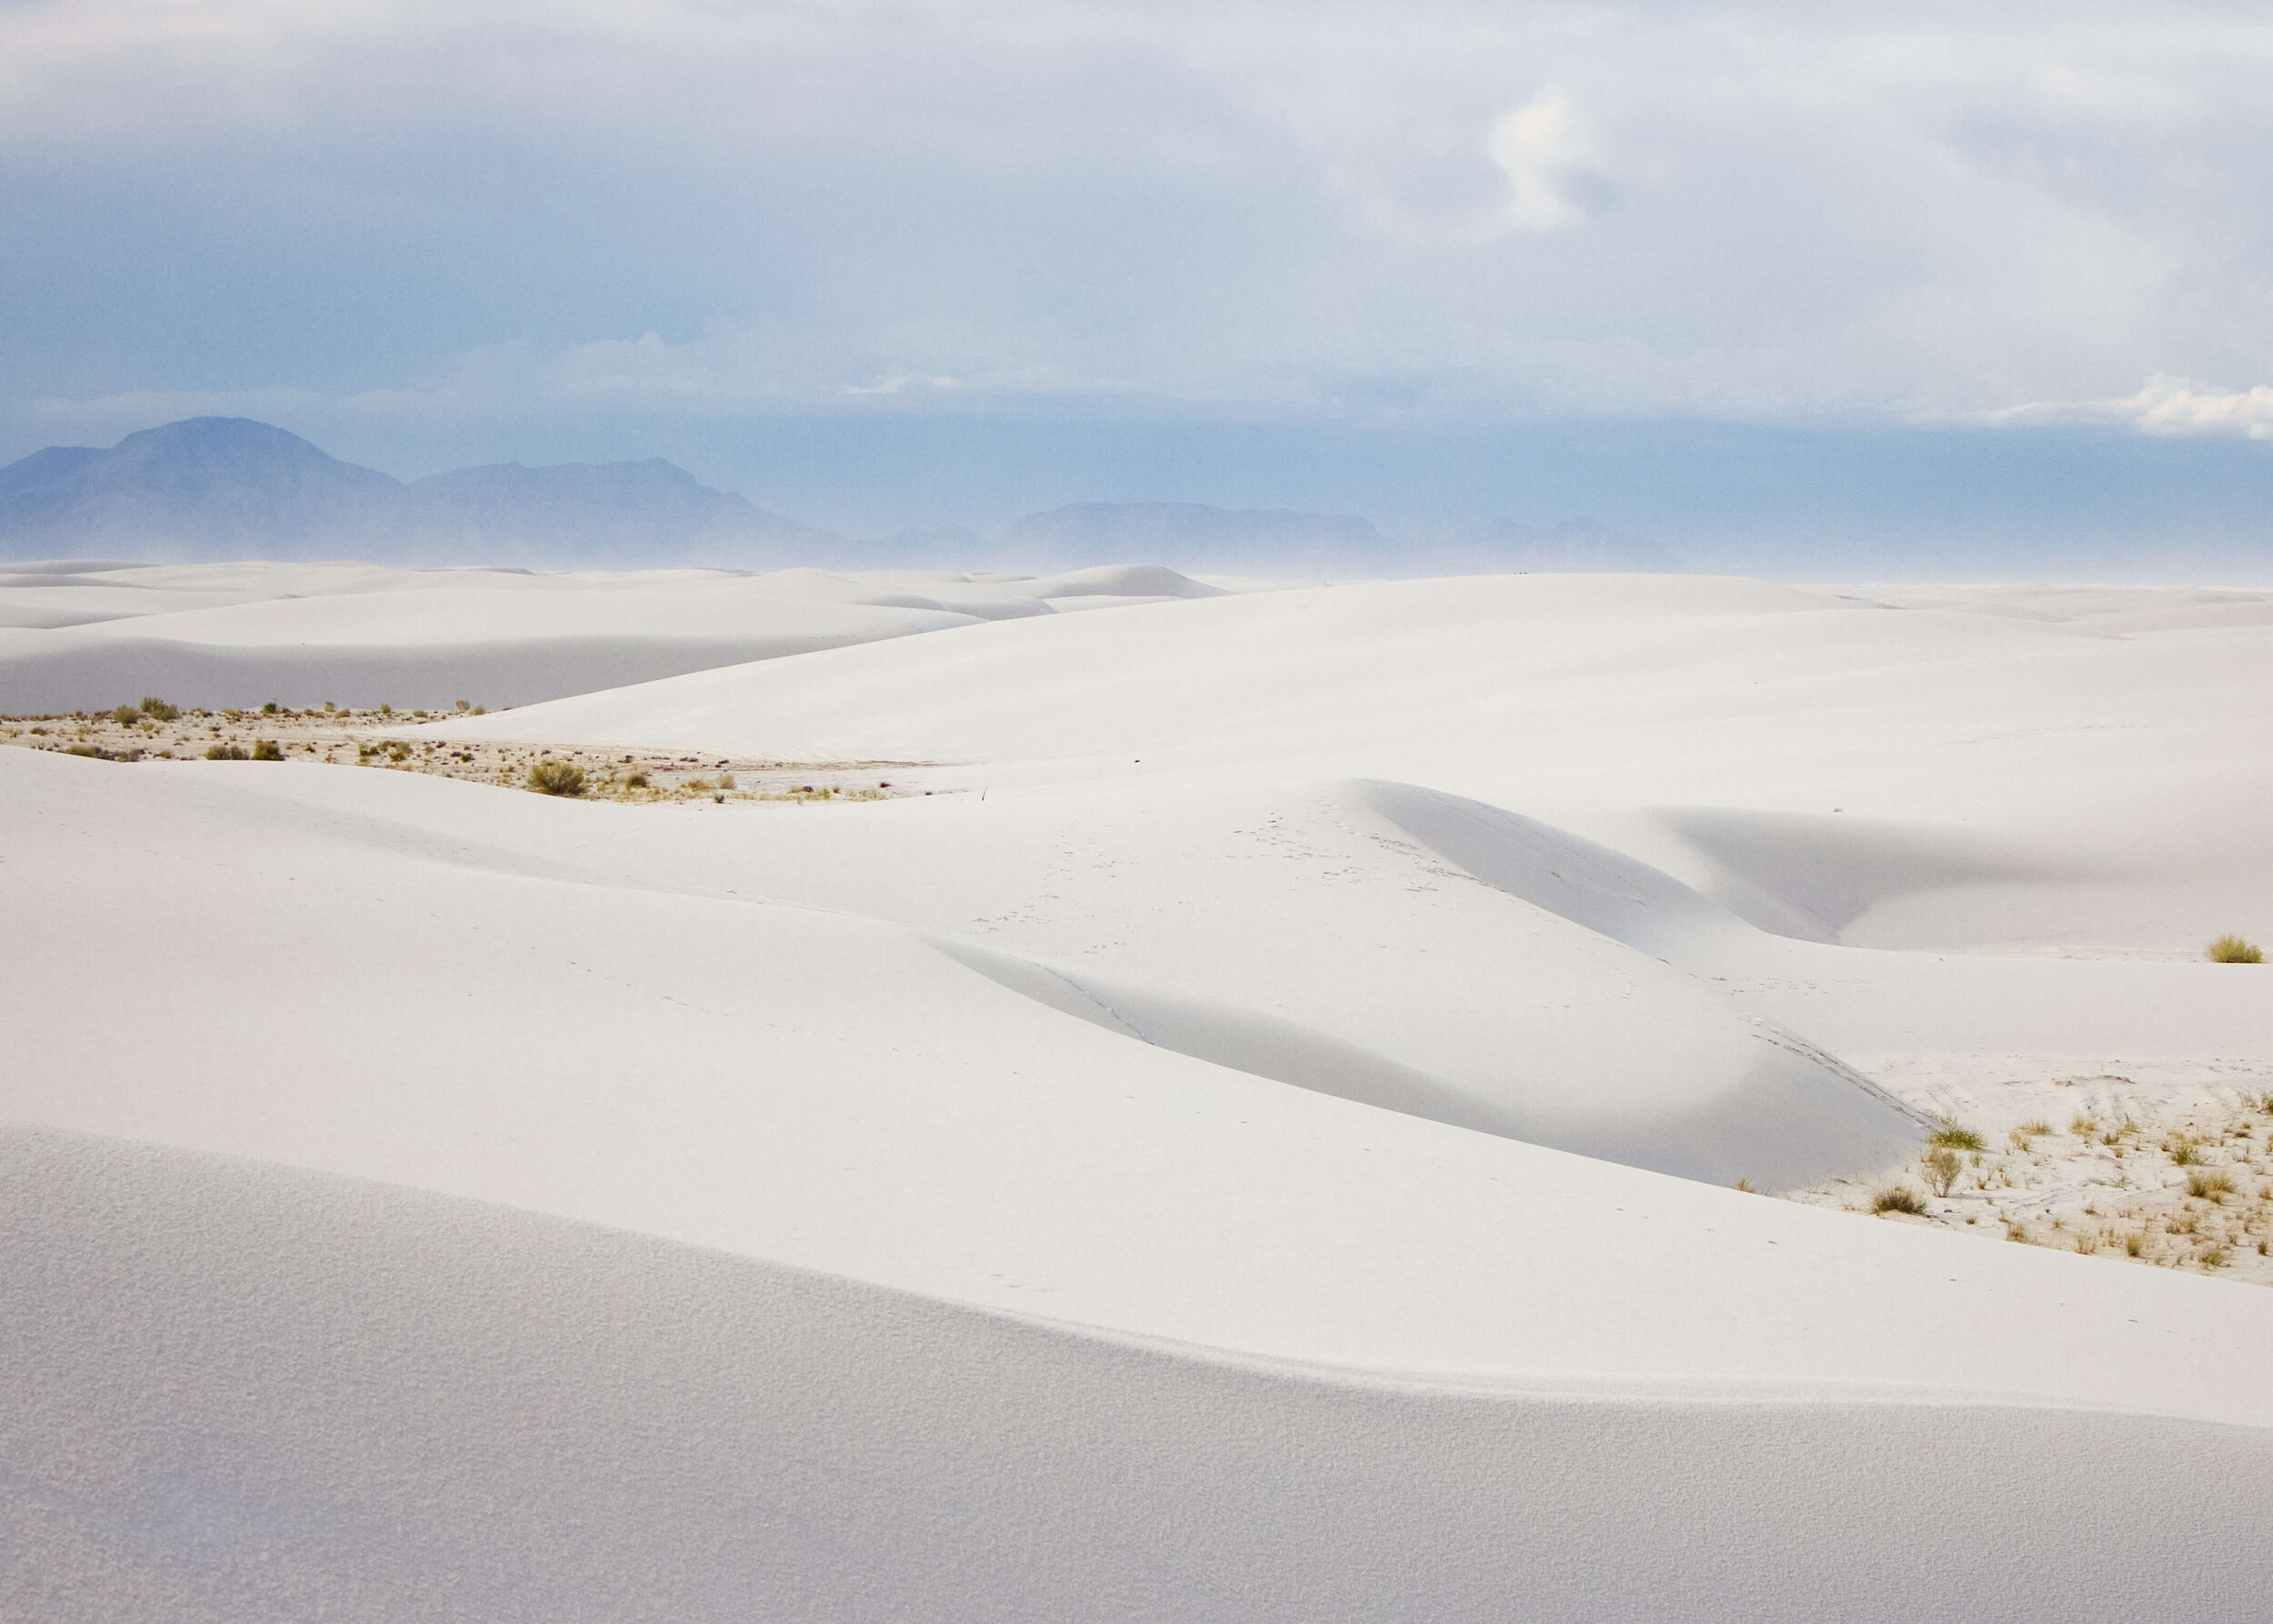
(1445, 214)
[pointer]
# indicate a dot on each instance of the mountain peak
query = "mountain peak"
(235, 487)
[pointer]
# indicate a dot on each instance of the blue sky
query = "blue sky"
(1911, 280)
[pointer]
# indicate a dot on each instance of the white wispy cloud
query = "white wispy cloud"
(2163, 406)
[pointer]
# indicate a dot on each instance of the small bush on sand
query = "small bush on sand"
(556, 778)
(158, 710)
(2183, 1152)
(269, 709)
(265, 749)
(2232, 949)
(126, 715)
(1942, 1167)
(223, 753)
(1898, 1198)
(2135, 1244)
(637, 781)
(1950, 1137)
(2209, 1184)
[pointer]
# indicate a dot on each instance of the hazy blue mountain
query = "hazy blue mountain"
(45, 467)
(626, 512)
(228, 487)
(1579, 546)
(1271, 541)
(1189, 534)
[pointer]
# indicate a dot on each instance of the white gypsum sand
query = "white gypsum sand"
(1252, 1142)
(241, 635)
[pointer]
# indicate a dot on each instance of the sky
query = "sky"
(1768, 282)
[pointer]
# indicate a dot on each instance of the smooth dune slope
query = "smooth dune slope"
(361, 635)
(498, 1415)
(2055, 782)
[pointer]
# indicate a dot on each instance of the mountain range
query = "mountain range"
(231, 489)
(209, 487)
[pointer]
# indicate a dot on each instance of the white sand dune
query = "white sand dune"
(1226, 1171)
(360, 635)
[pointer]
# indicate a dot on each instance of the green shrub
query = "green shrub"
(556, 778)
(1898, 1198)
(2232, 949)
(126, 715)
(158, 710)
(269, 709)
(265, 749)
(223, 753)
(1950, 1137)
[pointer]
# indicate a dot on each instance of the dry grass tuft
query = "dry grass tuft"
(1898, 1198)
(2209, 1184)
(556, 778)
(1950, 1137)
(2232, 949)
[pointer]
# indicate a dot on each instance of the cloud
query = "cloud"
(1546, 159)
(2164, 406)
(1880, 211)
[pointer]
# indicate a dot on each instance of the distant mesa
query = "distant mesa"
(1191, 534)
(1090, 532)
(228, 487)
(1575, 546)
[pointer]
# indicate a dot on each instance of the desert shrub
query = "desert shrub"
(2209, 1184)
(2184, 1152)
(637, 781)
(265, 749)
(88, 750)
(223, 753)
(556, 778)
(1898, 1198)
(158, 710)
(269, 709)
(2233, 949)
(1950, 1137)
(126, 715)
(2135, 1244)
(2214, 1257)
(1942, 1167)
